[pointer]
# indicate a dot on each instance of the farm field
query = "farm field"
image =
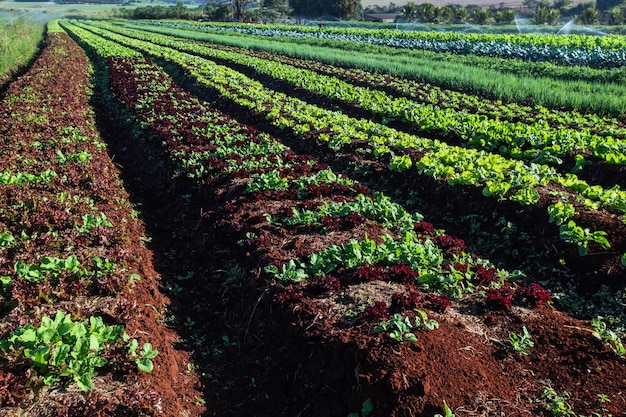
(314, 235)
(19, 40)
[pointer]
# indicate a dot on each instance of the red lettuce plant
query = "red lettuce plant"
(500, 298)
(534, 294)
(378, 311)
(369, 272)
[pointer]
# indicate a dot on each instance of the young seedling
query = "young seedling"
(400, 329)
(610, 338)
(572, 233)
(144, 357)
(518, 343)
(448, 412)
(557, 403)
(366, 409)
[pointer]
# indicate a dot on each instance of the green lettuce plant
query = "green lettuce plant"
(61, 349)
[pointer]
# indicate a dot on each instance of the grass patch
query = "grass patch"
(19, 40)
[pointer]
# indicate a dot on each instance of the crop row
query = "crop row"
(536, 142)
(498, 176)
(69, 260)
(299, 195)
(279, 205)
(516, 67)
(422, 92)
(593, 51)
(564, 87)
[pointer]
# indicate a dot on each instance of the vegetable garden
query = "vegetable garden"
(331, 237)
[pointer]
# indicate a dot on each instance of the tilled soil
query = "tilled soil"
(260, 358)
(228, 345)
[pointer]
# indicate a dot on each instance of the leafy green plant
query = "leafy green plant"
(91, 223)
(610, 337)
(366, 409)
(400, 163)
(6, 239)
(144, 357)
(422, 320)
(61, 348)
(572, 233)
(526, 196)
(560, 212)
(8, 178)
(400, 328)
(520, 343)
(49, 264)
(82, 157)
(557, 403)
(378, 208)
(288, 272)
(498, 188)
(558, 406)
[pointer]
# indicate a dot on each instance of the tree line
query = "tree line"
(540, 12)
(251, 10)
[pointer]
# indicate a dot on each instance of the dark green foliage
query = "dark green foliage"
(342, 9)
(608, 4)
(178, 11)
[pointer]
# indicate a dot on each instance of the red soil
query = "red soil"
(259, 358)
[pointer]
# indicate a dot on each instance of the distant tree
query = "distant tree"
(297, 7)
(409, 12)
(273, 10)
(534, 5)
(617, 16)
(554, 16)
(504, 17)
(306, 7)
(561, 5)
(375, 9)
(426, 13)
(479, 15)
(219, 13)
(444, 14)
(344, 9)
(177, 11)
(547, 16)
(239, 7)
(589, 14)
(461, 14)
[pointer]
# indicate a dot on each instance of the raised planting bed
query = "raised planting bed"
(524, 197)
(329, 298)
(81, 316)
